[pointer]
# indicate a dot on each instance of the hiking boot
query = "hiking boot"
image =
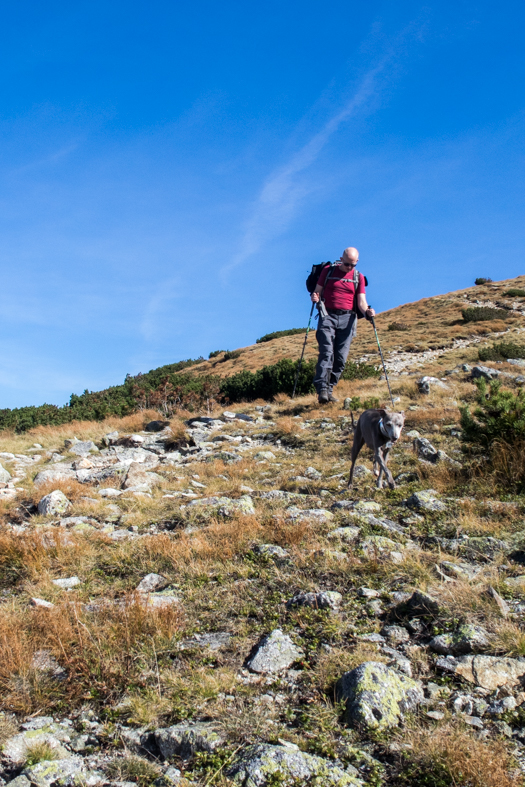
(331, 397)
(324, 396)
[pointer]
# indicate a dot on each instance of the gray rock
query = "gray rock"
(424, 384)
(44, 662)
(243, 505)
(83, 448)
(213, 641)
(425, 450)
(377, 696)
(313, 474)
(228, 457)
(274, 653)
(20, 781)
(347, 533)
(426, 501)
(328, 599)
(421, 603)
(184, 740)
(263, 763)
(156, 426)
(261, 455)
(489, 672)
(152, 582)
(65, 772)
(486, 372)
(368, 592)
(15, 749)
(395, 634)
(380, 546)
(272, 552)
(466, 639)
(66, 583)
(5, 476)
(53, 504)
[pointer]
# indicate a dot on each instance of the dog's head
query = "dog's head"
(393, 425)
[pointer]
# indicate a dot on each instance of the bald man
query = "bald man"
(337, 288)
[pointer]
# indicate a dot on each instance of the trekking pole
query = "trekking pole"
(383, 360)
(302, 354)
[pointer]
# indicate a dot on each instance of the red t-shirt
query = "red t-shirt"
(339, 293)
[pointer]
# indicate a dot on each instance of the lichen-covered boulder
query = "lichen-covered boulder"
(62, 773)
(426, 501)
(152, 582)
(274, 653)
(41, 730)
(54, 503)
(263, 764)
(243, 506)
(377, 696)
(465, 639)
(184, 740)
(5, 475)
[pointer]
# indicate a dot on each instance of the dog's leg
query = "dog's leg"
(388, 473)
(356, 447)
(378, 459)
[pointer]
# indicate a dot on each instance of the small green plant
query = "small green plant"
(501, 351)
(278, 334)
(398, 326)
(514, 292)
(483, 313)
(483, 280)
(359, 371)
(215, 353)
(40, 752)
(133, 769)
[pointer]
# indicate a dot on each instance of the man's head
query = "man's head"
(350, 258)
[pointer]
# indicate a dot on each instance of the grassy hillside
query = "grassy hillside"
(184, 608)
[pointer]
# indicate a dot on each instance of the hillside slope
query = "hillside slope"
(203, 601)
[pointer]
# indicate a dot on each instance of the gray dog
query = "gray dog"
(379, 429)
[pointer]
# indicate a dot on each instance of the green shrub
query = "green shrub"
(229, 355)
(278, 334)
(483, 280)
(482, 313)
(215, 353)
(499, 415)
(265, 383)
(359, 371)
(501, 351)
(515, 293)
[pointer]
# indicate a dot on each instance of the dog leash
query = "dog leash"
(383, 361)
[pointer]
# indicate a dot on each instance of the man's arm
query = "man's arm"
(316, 294)
(363, 305)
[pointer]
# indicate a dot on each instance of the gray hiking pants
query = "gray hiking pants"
(334, 336)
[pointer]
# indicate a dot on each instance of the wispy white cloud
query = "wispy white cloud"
(283, 190)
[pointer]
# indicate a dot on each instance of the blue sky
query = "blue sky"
(169, 172)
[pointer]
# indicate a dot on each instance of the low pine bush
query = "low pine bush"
(483, 280)
(265, 383)
(278, 334)
(515, 293)
(215, 353)
(499, 415)
(483, 313)
(501, 351)
(230, 355)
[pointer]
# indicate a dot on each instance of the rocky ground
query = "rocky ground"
(202, 601)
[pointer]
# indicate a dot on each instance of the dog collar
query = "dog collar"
(383, 430)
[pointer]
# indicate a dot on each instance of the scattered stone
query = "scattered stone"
(425, 450)
(466, 639)
(156, 426)
(214, 641)
(380, 546)
(152, 582)
(516, 583)
(368, 593)
(395, 634)
(489, 672)
(5, 476)
(424, 384)
(377, 696)
(54, 503)
(360, 471)
(275, 652)
(484, 371)
(421, 603)
(426, 500)
(312, 474)
(244, 505)
(260, 455)
(40, 602)
(501, 603)
(83, 448)
(44, 661)
(184, 740)
(62, 773)
(328, 599)
(347, 533)
(366, 507)
(436, 715)
(66, 583)
(272, 552)
(263, 763)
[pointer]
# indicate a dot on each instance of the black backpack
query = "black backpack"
(313, 278)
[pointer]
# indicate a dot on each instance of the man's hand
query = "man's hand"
(314, 297)
(370, 312)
